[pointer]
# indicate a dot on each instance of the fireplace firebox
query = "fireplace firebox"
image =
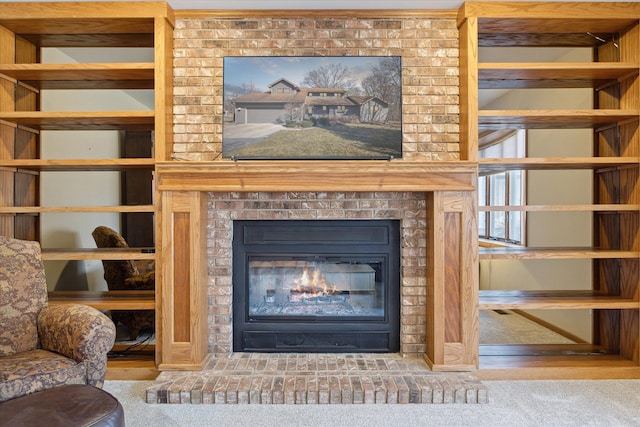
(316, 286)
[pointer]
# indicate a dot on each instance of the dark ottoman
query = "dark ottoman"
(67, 405)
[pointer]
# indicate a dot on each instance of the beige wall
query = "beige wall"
(549, 229)
(72, 230)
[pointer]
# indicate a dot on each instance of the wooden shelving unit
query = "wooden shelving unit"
(614, 295)
(26, 28)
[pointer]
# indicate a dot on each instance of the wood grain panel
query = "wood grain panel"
(607, 276)
(182, 342)
(470, 278)
(555, 75)
(555, 163)
(85, 254)
(78, 164)
(629, 278)
(469, 90)
(563, 208)
(86, 209)
(7, 133)
(6, 179)
(552, 119)
(540, 40)
(92, 40)
(82, 75)
(607, 143)
(91, 120)
(630, 335)
(452, 277)
(316, 176)
(434, 354)
(181, 277)
(32, 14)
(64, 26)
(163, 89)
(555, 299)
(607, 330)
(555, 253)
(109, 300)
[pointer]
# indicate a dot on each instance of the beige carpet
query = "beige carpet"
(511, 403)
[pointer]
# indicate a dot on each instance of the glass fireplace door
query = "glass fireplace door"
(326, 288)
(316, 285)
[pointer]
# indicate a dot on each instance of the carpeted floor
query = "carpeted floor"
(511, 403)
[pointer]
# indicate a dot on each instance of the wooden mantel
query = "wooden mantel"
(452, 255)
(373, 175)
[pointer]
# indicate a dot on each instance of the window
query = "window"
(502, 189)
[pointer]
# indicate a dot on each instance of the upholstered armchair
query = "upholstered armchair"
(44, 346)
(126, 275)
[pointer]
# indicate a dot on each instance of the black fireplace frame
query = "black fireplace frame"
(363, 240)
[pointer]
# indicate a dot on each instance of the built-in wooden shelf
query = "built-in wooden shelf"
(554, 253)
(524, 361)
(132, 367)
(553, 299)
(82, 75)
(80, 209)
(145, 348)
(489, 165)
(138, 120)
(536, 24)
(78, 254)
(563, 208)
(106, 300)
(610, 32)
(552, 119)
(584, 349)
(32, 26)
(77, 165)
(68, 24)
(518, 75)
(552, 361)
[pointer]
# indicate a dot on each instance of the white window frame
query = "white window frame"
(504, 188)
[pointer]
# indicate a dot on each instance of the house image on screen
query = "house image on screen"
(285, 101)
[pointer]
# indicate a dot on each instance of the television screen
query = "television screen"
(308, 107)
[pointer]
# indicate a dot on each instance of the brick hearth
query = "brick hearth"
(296, 378)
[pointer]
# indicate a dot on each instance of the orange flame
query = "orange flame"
(313, 285)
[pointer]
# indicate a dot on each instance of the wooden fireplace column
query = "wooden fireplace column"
(452, 255)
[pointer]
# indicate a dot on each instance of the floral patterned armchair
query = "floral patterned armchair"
(43, 347)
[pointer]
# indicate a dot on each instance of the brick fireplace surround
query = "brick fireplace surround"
(410, 208)
(431, 189)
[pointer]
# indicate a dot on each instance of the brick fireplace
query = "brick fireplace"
(434, 201)
(431, 190)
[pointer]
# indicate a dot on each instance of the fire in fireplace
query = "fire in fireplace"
(316, 286)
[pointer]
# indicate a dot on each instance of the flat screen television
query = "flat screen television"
(312, 107)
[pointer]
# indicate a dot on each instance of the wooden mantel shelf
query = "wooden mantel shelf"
(303, 175)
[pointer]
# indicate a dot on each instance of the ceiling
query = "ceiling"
(313, 4)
